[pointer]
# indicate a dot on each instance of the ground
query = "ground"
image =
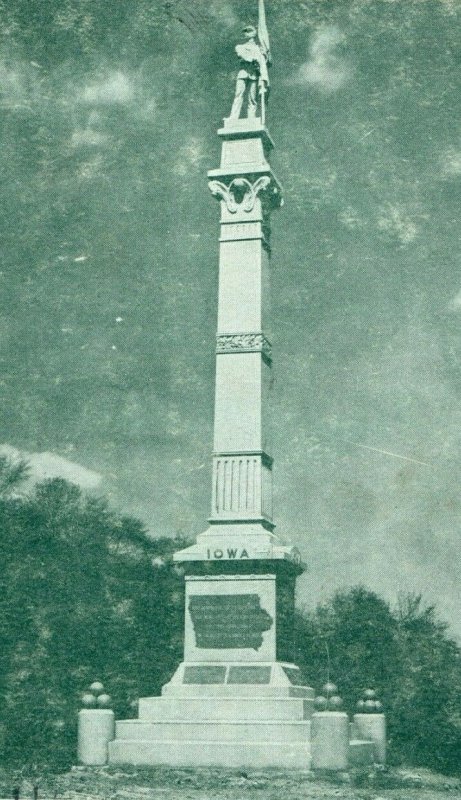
(131, 783)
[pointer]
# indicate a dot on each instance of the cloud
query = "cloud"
(146, 110)
(19, 85)
(190, 155)
(12, 85)
(115, 88)
(351, 218)
(49, 465)
(325, 69)
(395, 522)
(91, 134)
(455, 303)
(223, 12)
(450, 6)
(88, 138)
(451, 163)
(395, 222)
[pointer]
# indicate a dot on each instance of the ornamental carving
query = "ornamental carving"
(240, 194)
(234, 342)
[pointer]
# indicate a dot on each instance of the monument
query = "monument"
(237, 698)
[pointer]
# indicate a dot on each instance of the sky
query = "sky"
(109, 266)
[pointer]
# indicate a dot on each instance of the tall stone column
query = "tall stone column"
(240, 577)
(242, 465)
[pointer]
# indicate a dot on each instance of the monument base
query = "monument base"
(234, 724)
(179, 752)
(228, 723)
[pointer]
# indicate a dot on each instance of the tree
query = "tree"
(405, 654)
(86, 595)
(351, 640)
(12, 475)
(426, 708)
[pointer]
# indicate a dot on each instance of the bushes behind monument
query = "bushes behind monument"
(87, 595)
(405, 654)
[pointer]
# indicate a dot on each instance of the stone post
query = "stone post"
(330, 740)
(96, 728)
(373, 727)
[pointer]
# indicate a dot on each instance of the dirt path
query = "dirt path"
(110, 783)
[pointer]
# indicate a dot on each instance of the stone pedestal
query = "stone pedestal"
(233, 701)
(330, 740)
(373, 727)
(96, 728)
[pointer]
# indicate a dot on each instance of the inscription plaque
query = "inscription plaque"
(249, 675)
(228, 621)
(204, 674)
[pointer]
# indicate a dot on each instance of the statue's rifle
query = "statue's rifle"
(262, 94)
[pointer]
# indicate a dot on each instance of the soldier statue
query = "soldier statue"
(253, 74)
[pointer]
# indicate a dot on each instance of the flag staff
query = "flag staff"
(263, 36)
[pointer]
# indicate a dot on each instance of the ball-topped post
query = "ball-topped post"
(330, 730)
(96, 725)
(370, 722)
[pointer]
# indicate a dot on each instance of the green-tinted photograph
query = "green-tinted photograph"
(230, 303)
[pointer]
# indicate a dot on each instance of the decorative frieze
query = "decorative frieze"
(244, 343)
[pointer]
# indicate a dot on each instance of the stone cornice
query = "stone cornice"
(266, 460)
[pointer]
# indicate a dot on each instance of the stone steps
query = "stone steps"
(217, 731)
(236, 731)
(186, 753)
(239, 709)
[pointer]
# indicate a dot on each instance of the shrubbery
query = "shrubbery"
(85, 594)
(405, 654)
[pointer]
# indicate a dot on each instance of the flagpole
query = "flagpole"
(263, 36)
